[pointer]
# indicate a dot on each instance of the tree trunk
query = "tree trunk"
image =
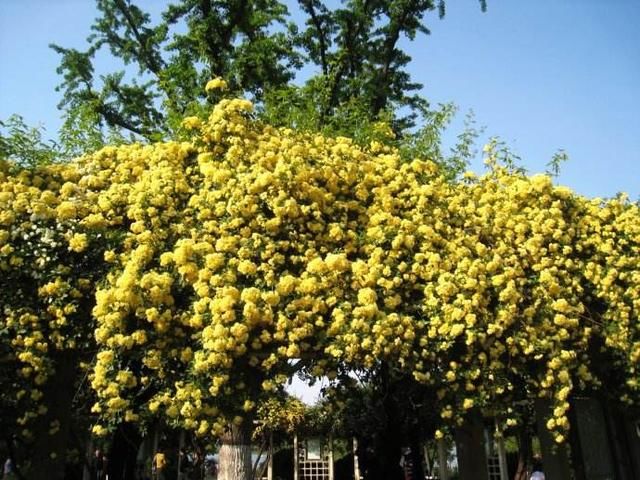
(121, 463)
(356, 465)
(86, 466)
(235, 454)
(470, 445)
(389, 450)
(524, 454)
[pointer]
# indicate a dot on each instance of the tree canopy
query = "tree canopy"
(359, 70)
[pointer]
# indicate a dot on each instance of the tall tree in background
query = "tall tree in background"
(164, 68)
(361, 67)
(359, 70)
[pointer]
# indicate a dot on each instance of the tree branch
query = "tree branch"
(112, 117)
(210, 40)
(235, 20)
(393, 35)
(308, 5)
(353, 32)
(225, 35)
(147, 58)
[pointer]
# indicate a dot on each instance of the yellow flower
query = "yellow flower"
(192, 122)
(216, 84)
(249, 245)
(247, 267)
(78, 242)
(99, 430)
(66, 210)
(367, 296)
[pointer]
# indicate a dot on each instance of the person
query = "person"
(158, 465)
(406, 463)
(99, 465)
(537, 473)
(8, 471)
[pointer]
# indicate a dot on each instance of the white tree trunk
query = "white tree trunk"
(443, 465)
(235, 455)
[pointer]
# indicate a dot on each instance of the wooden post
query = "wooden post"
(295, 456)
(356, 465)
(427, 459)
(502, 457)
(443, 465)
(180, 453)
(631, 428)
(88, 460)
(330, 457)
(270, 462)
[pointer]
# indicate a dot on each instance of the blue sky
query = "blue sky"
(541, 75)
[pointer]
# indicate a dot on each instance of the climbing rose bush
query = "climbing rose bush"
(203, 271)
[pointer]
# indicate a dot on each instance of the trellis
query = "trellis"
(312, 459)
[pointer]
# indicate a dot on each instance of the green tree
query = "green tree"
(24, 145)
(360, 70)
(164, 68)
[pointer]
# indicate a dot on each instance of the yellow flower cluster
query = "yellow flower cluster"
(216, 84)
(46, 289)
(226, 258)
